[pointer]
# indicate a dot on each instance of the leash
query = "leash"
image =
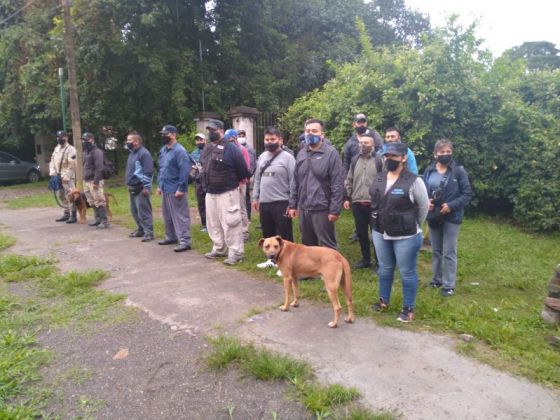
(58, 200)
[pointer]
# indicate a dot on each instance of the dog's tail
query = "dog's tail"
(346, 279)
(113, 197)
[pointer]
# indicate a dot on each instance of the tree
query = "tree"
(539, 55)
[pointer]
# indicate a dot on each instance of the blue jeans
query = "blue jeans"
(404, 254)
(444, 254)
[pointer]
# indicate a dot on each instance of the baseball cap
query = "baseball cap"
(230, 133)
(202, 136)
(360, 116)
(61, 133)
(88, 136)
(215, 125)
(167, 129)
(397, 149)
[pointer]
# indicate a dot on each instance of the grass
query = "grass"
(6, 241)
(264, 365)
(47, 299)
(502, 281)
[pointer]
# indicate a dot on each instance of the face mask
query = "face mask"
(365, 150)
(61, 141)
(312, 139)
(200, 146)
(271, 147)
(361, 130)
(87, 145)
(165, 139)
(444, 159)
(130, 146)
(214, 136)
(242, 140)
(392, 165)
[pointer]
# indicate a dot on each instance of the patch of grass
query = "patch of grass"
(6, 241)
(270, 366)
(51, 300)
(361, 413)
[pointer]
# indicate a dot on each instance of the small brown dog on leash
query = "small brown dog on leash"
(296, 260)
(79, 199)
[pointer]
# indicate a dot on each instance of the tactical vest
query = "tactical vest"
(218, 173)
(393, 212)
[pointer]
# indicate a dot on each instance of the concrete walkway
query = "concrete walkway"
(419, 375)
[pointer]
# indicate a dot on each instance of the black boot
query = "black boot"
(104, 222)
(72, 218)
(64, 217)
(97, 220)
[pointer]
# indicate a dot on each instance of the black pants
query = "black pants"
(362, 219)
(316, 230)
(274, 221)
(201, 200)
(248, 201)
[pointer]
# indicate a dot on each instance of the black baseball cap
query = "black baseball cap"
(397, 149)
(215, 125)
(168, 129)
(61, 133)
(88, 136)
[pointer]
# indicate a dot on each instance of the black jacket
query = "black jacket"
(93, 165)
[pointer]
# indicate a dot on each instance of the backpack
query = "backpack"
(108, 168)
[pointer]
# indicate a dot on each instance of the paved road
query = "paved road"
(419, 375)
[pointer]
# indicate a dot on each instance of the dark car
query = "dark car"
(14, 169)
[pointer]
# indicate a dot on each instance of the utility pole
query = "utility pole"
(73, 84)
(62, 98)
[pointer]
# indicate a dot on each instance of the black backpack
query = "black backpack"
(108, 168)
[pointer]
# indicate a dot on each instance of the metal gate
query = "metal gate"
(264, 120)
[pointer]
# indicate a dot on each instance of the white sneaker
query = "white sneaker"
(279, 273)
(267, 264)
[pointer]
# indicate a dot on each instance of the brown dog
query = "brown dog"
(295, 260)
(79, 199)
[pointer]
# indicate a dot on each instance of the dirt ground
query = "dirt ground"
(183, 297)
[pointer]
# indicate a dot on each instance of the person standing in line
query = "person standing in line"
(174, 166)
(450, 191)
(361, 174)
(274, 184)
(93, 180)
(63, 164)
(319, 191)
(138, 178)
(393, 135)
(242, 139)
(223, 167)
(200, 141)
(399, 204)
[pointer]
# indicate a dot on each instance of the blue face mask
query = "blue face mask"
(312, 139)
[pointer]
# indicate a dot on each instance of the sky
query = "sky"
(502, 23)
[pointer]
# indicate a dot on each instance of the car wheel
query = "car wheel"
(33, 176)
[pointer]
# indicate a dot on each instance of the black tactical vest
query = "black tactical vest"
(218, 174)
(393, 212)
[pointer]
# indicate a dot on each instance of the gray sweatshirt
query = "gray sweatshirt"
(277, 182)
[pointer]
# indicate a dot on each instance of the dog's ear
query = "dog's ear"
(280, 240)
(261, 242)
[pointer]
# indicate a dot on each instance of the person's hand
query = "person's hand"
(158, 191)
(145, 192)
(292, 213)
(256, 205)
(431, 206)
(346, 205)
(333, 217)
(179, 194)
(95, 186)
(444, 209)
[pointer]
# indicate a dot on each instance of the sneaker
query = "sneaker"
(447, 292)
(379, 306)
(213, 255)
(267, 264)
(406, 315)
(148, 238)
(354, 237)
(204, 229)
(361, 264)
(279, 273)
(435, 284)
(232, 260)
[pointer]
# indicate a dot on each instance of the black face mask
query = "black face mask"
(165, 139)
(200, 146)
(444, 159)
(271, 147)
(130, 146)
(392, 165)
(61, 141)
(361, 130)
(214, 136)
(87, 145)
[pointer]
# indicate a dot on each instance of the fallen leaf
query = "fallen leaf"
(121, 354)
